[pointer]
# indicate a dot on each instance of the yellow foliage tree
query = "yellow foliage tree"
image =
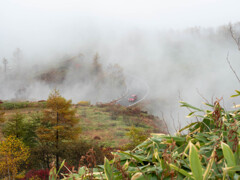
(59, 124)
(13, 154)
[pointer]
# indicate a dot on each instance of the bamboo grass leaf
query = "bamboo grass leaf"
(138, 176)
(134, 156)
(209, 166)
(61, 166)
(184, 104)
(81, 171)
(232, 169)
(190, 114)
(182, 171)
(195, 163)
(235, 95)
(188, 126)
(228, 155)
(237, 154)
(108, 170)
(207, 104)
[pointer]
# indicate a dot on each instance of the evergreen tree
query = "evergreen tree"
(59, 123)
(15, 126)
(21, 128)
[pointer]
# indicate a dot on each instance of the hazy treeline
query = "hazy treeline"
(175, 64)
(76, 77)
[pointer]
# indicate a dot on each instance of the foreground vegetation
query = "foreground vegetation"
(37, 139)
(210, 150)
(53, 130)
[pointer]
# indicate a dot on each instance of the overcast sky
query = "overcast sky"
(130, 32)
(153, 13)
(38, 23)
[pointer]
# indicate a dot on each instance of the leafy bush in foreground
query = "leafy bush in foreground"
(210, 150)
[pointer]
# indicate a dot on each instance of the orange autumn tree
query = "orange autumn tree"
(59, 124)
(13, 154)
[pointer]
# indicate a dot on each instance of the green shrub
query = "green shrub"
(210, 150)
(136, 136)
(14, 105)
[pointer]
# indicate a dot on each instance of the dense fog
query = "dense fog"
(187, 63)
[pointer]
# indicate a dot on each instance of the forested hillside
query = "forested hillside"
(56, 130)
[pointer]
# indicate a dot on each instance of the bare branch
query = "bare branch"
(237, 40)
(177, 129)
(173, 122)
(202, 96)
(163, 119)
(179, 96)
(179, 123)
(232, 68)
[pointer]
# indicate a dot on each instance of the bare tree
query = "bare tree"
(232, 69)
(234, 36)
(237, 41)
(18, 56)
(5, 62)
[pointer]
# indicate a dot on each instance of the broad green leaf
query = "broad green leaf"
(235, 95)
(190, 114)
(107, 169)
(137, 176)
(228, 155)
(207, 104)
(125, 166)
(188, 126)
(237, 154)
(182, 171)
(81, 170)
(184, 104)
(209, 166)
(136, 157)
(156, 154)
(232, 169)
(195, 163)
(170, 139)
(52, 174)
(61, 166)
(201, 138)
(141, 176)
(163, 164)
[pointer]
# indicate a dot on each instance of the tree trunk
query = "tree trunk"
(47, 161)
